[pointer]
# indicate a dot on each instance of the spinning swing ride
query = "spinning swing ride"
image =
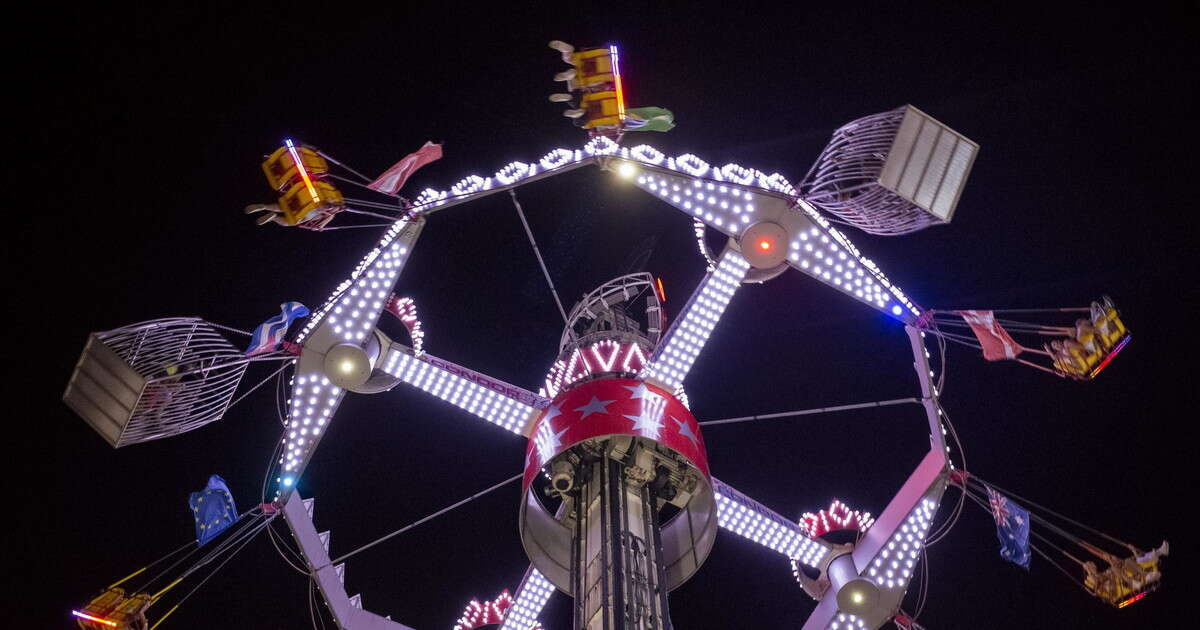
(619, 505)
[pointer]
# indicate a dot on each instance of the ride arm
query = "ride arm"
(732, 198)
(750, 519)
(486, 398)
(348, 317)
(530, 598)
(347, 611)
(887, 554)
(673, 358)
(824, 253)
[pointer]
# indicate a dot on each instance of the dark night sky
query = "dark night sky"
(156, 124)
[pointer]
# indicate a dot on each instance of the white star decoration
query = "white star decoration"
(685, 430)
(548, 441)
(637, 391)
(595, 406)
(648, 424)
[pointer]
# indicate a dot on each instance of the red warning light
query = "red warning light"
(764, 245)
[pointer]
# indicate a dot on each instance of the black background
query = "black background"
(152, 125)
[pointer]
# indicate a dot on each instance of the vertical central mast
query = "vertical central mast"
(617, 564)
(618, 505)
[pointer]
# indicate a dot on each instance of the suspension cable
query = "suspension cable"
(244, 542)
(245, 530)
(376, 215)
(139, 571)
(330, 158)
(256, 386)
(1049, 511)
(806, 412)
(1057, 566)
(521, 213)
(427, 518)
(146, 585)
(313, 613)
(271, 535)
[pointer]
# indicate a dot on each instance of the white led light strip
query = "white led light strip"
(673, 358)
(348, 317)
(600, 148)
(893, 566)
(313, 401)
(531, 597)
(823, 252)
(500, 409)
(750, 519)
(726, 208)
(360, 293)
(847, 621)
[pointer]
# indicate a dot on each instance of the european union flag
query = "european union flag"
(1012, 527)
(213, 509)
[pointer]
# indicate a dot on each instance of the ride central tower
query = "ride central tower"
(618, 506)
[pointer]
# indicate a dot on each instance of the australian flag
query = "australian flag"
(269, 334)
(213, 509)
(1012, 527)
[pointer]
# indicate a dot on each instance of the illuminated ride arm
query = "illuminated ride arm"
(772, 225)
(528, 601)
(339, 348)
(486, 398)
(867, 585)
(676, 353)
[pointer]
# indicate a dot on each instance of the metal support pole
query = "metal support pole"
(618, 572)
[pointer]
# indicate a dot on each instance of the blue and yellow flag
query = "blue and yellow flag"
(213, 509)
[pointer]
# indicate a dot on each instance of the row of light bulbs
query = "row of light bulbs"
(528, 604)
(472, 397)
(893, 565)
(778, 534)
(600, 146)
(674, 358)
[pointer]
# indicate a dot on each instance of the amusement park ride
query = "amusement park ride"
(619, 505)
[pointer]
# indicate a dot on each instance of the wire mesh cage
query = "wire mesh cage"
(154, 379)
(891, 173)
